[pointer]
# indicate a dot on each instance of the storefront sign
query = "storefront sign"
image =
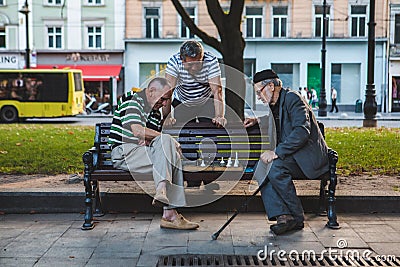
(76, 57)
(9, 61)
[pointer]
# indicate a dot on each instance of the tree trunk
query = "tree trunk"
(235, 88)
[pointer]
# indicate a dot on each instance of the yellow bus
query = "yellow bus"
(34, 93)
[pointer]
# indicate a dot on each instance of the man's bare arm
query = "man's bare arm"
(219, 101)
(144, 133)
(172, 82)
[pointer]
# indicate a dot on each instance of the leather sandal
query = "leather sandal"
(180, 223)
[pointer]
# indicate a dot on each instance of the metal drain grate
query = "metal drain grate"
(250, 260)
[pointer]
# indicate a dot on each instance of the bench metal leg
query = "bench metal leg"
(98, 205)
(332, 219)
(88, 162)
(322, 198)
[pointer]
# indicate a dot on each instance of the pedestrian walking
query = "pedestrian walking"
(334, 97)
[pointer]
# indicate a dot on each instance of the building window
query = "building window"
(95, 36)
(395, 93)
(2, 37)
(152, 22)
(253, 22)
(342, 79)
(397, 28)
(319, 21)
(149, 71)
(54, 2)
(358, 19)
(54, 37)
(185, 32)
(95, 2)
(2, 2)
(280, 18)
(285, 73)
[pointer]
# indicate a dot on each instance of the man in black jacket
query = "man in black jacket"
(300, 151)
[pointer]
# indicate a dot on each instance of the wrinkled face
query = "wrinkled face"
(160, 98)
(193, 64)
(264, 91)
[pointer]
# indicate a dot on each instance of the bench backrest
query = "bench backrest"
(199, 140)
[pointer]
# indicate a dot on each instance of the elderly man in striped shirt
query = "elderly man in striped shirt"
(195, 77)
(139, 147)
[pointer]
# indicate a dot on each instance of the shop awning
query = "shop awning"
(90, 72)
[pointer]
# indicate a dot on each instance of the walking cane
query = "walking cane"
(242, 208)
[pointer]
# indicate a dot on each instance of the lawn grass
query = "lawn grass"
(56, 149)
(366, 150)
(43, 148)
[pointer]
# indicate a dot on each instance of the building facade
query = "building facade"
(284, 35)
(393, 95)
(10, 42)
(81, 34)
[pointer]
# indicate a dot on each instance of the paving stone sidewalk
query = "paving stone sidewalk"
(136, 239)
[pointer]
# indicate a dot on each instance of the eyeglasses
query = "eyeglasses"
(162, 99)
(258, 92)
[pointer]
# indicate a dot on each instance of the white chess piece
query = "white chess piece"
(229, 164)
(236, 164)
(222, 161)
(202, 163)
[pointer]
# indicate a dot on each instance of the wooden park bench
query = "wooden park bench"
(201, 143)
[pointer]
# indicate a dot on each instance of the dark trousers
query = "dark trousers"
(279, 195)
(334, 106)
(184, 114)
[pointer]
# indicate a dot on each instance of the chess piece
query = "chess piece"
(229, 164)
(197, 120)
(236, 164)
(202, 163)
(222, 163)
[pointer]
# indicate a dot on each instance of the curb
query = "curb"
(65, 202)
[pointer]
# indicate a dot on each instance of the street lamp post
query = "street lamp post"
(322, 105)
(370, 106)
(25, 11)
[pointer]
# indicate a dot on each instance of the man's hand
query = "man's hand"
(248, 122)
(169, 121)
(144, 142)
(178, 148)
(268, 156)
(219, 121)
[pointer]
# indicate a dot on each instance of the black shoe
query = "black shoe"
(281, 228)
(299, 225)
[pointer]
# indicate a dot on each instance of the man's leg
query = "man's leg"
(167, 167)
(140, 159)
(279, 195)
(336, 107)
(158, 159)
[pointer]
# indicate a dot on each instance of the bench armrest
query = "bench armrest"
(90, 158)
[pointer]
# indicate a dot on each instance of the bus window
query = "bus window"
(55, 88)
(78, 82)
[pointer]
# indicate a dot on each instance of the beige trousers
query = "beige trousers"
(160, 159)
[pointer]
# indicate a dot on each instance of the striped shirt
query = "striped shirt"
(132, 108)
(191, 89)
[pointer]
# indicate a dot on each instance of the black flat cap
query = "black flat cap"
(264, 75)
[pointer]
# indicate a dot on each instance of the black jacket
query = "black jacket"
(300, 135)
